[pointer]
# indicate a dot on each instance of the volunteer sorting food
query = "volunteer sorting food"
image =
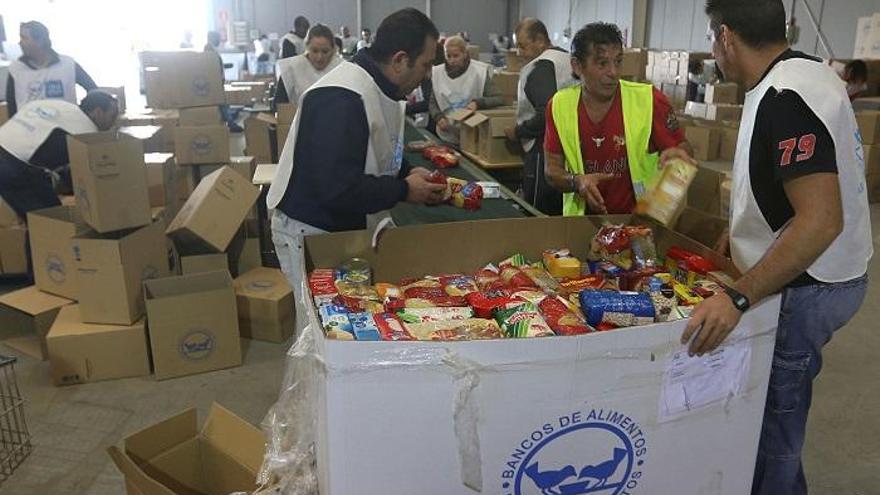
(607, 138)
(799, 220)
(342, 166)
(299, 73)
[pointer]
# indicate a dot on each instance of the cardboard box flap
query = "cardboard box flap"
(186, 284)
(33, 301)
(56, 221)
(459, 114)
(106, 150)
(498, 124)
(262, 283)
(69, 323)
(157, 158)
(135, 475)
(181, 469)
(142, 132)
(235, 437)
(114, 247)
(475, 120)
(153, 440)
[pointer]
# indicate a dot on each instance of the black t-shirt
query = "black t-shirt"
(788, 141)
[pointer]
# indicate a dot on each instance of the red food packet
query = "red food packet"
(560, 319)
(437, 177)
(459, 285)
(391, 328)
(575, 285)
(485, 303)
(488, 277)
(513, 277)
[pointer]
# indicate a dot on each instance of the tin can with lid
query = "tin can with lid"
(357, 271)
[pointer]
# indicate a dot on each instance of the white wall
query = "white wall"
(558, 14)
(682, 24)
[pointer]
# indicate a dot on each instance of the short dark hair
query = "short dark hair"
(98, 99)
(592, 35)
(301, 22)
(758, 22)
(366, 30)
(405, 30)
(39, 32)
(319, 31)
(533, 29)
(857, 69)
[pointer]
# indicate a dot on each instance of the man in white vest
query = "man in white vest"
(299, 73)
(33, 147)
(799, 220)
(460, 83)
(41, 73)
(349, 42)
(548, 70)
(342, 166)
(294, 42)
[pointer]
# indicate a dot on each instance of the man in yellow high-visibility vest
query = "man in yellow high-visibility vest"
(607, 138)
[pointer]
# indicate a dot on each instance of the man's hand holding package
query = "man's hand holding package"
(588, 188)
(420, 191)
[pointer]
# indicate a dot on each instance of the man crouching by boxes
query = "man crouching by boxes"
(342, 166)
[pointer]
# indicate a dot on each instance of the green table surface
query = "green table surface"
(410, 214)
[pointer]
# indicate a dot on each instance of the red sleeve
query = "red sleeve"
(665, 131)
(552, 144)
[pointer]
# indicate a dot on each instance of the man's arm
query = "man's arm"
(492, 96)
(540, 88)
(11, 106)
(84, 79)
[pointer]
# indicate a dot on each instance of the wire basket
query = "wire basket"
(15, 440)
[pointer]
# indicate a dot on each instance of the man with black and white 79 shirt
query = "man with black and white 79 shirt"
(799, 220)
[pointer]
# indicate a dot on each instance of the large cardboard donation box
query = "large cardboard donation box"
(628, 410)
(175, 457)
(109, 180)
(25, 318)
(84, 352)
(51, 231)
(183, 79)
(193, 324)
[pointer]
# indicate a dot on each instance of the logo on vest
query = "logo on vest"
(54, 89)
(55, 269)
(586, 452)
(201, 145)
(201, 86)
(34, 90)
(197, 345)
(40, 112)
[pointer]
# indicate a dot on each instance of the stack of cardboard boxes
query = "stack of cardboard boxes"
(869, 127)
(668, 71)
(483, 138)
(265, 134)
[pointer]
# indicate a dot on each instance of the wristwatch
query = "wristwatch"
(572, 182)
(740, 301)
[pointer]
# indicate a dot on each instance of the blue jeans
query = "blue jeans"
(809, 317)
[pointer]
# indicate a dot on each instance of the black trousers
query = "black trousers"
(25, 187)
(536, 190)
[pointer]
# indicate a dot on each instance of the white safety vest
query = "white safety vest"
(298, 74)
(453, 94)
(298, 42)
(57, 81)
(750, 235)
(29, 128)
(385, 118)
(561, 65)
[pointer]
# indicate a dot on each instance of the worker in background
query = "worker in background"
(799, 220)
(263, 54)
(607, 138)
(342, 166)
(366, 39)
(299, 73)
(213, 46)
(294, 42)
(548, 70)
(417, 102)
(349, 42)
(856, 76)
(460, 83)
(42, 73)
(33, 147)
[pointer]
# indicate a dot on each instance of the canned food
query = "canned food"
(357, 271)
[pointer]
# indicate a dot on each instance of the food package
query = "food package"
(522, 321)
(485, 303)
(514, 278)
(467, 329)
(418, 145)
(576, 285)
(334, 317)
(666, 200)
(431, 297)
(706, 288)
(406, 285)
(468, 197)
(687, 267)
(336, 334)
(612, 244)
(391, 328)
(491, 190)
(637, 280)
(644, 251)
(540, 278)
(560, 318)
(364, 326)
(357, 298)
(322, 284)
(459, 285)
(488, 277)
(664, 303)
(622, 309)
(427, 315)
(385, 290)
(514, 260)
(686, 296)
(561, 264)
(441, 156)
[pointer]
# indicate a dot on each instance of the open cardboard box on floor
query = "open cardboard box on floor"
(25, 318)
(265, 305)
(175, 457)
(606, 397)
